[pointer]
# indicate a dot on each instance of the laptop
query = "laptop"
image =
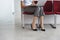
(41, 2)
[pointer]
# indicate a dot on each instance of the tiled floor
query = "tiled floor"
(17, 33)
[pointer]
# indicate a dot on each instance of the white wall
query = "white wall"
(6, 9)
(58, 19)
(48, 19)
(17, 12)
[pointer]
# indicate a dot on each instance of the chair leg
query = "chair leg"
(54, 22)
(38, 22)
(23, 20)
(39, 18)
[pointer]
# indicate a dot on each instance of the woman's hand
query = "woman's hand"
(22, 4)
(33, 3)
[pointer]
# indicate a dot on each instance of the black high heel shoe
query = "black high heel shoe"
(33, 29)
(41, 28)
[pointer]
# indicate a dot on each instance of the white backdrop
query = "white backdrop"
(48, 19)
(6, 10)
(17, 11)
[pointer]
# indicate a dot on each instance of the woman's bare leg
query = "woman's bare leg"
(41, 22)
(34, 22)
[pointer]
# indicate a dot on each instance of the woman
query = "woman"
(26, 4)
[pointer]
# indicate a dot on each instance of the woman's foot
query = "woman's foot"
(42, 28)
(34, 29)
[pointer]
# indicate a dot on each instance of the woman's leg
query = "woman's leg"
(36, 10)
(41, 22)
(34, 22)
(42, 19)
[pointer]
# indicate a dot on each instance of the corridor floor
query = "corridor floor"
(12, 32)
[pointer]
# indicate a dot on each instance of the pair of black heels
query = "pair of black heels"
(36, 29)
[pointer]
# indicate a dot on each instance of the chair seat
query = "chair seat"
(48, 8)
(49, 13)
(28, 13)
(57, 13)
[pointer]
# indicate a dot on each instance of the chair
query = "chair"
(49, 10)
(57, 7)
(25, 13)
